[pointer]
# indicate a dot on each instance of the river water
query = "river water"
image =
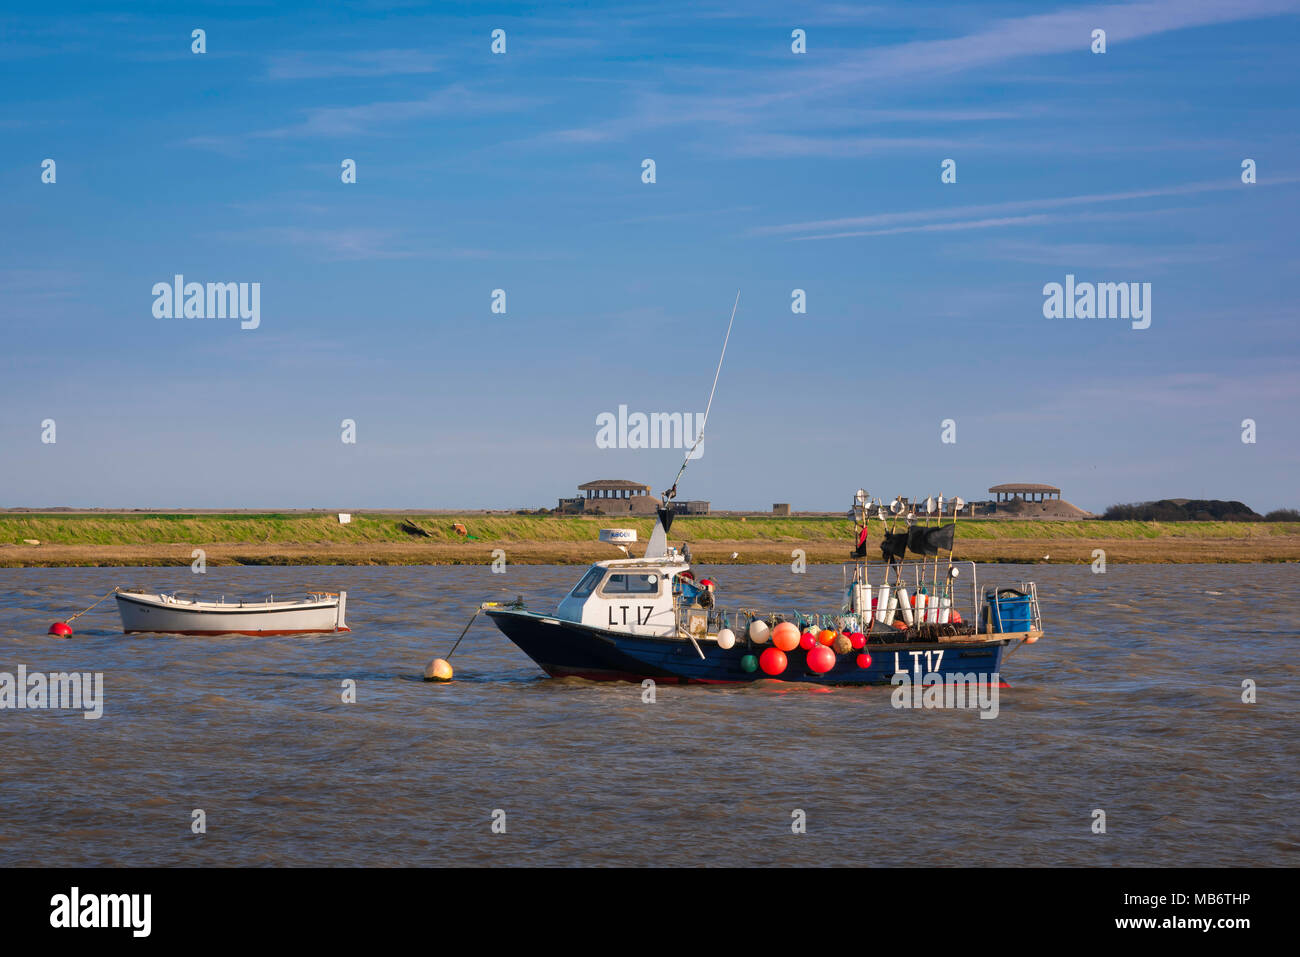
(1132, 705)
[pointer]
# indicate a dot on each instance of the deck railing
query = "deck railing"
(938, 602)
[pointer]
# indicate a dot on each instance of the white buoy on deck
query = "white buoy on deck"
(905, 605)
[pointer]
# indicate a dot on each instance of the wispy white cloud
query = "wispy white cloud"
(358, 63)
(657, 111)
(326, 122)
(353, 120)
(1182, 390)
(783, 145)
(807, 98)
(876, 224)
(355, 243)
(1108, 254)
(851, 116)
(681, 214)
(936, 227)
(38, 284)
(1038, 219)
(652, 111)
(1062, 31)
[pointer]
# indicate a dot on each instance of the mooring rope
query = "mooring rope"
(463, 633)
(80, 613)
(483, 606)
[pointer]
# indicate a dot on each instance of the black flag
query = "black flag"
(665, 518)
(893, 547)
(861, 550)
(928, 541)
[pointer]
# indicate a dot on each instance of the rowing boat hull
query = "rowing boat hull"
(150, 614)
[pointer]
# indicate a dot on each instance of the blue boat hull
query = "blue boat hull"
(568, 649)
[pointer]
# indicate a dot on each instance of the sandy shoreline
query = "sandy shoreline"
(1279, 548)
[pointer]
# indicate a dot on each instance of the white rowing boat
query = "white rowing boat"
(318, 613)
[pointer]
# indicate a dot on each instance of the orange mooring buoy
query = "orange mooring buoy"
(439, 669)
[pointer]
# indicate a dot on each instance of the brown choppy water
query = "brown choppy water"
(1131, 704)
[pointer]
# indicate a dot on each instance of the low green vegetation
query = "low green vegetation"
(307, 528)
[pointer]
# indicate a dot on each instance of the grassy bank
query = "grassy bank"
(409, 538)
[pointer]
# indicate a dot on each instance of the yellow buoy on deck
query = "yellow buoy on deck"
(439, 669)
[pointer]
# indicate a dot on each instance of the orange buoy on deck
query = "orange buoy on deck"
(786, 636)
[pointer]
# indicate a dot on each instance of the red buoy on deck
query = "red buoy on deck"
(772, 661)
(60, 629)
(821, 659)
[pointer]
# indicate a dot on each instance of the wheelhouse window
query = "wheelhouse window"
(588, 583)
(628, 584)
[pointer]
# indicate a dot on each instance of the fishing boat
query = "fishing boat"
(631, 619)
(180, 614)
(636, 618)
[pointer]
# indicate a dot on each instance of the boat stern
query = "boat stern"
(340, 624)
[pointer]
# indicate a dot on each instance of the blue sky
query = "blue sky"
(774, 171)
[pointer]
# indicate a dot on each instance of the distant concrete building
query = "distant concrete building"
(610, 497)
(1026, 493)
(1030, 501)
(693, 507)
(781, 508)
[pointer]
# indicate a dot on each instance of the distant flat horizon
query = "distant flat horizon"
(462, 510)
